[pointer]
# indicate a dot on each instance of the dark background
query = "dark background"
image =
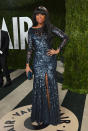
(19, 8)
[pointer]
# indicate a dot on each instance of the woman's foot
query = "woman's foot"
(36, 124)
(46, 124)
(40, 123)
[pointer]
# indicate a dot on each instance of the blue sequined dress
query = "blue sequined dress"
(45, 101)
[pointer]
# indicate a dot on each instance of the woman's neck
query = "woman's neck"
(40, 25)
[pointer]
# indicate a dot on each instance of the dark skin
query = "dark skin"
(40, 19)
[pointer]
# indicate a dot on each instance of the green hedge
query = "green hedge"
(76, 52)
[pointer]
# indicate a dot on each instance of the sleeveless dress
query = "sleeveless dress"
(39, 43)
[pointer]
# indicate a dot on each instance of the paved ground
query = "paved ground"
(18, 95)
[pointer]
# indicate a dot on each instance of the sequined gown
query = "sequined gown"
(45, 101)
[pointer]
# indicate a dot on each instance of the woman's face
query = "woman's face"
(40, 18)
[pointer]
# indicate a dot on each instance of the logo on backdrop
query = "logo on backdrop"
(19, 120)
(20, 36)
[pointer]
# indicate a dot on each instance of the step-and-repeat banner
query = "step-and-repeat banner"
(16, 19)
(18, 23)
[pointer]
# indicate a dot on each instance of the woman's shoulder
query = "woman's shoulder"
(30, 30)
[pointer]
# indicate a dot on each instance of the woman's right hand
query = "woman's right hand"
(28, 69)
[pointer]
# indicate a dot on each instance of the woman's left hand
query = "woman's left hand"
(52, 51)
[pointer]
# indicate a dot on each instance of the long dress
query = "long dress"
(45, 101)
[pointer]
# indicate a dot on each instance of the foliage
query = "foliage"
(76, 52)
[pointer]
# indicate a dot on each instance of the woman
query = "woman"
(45, 99)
